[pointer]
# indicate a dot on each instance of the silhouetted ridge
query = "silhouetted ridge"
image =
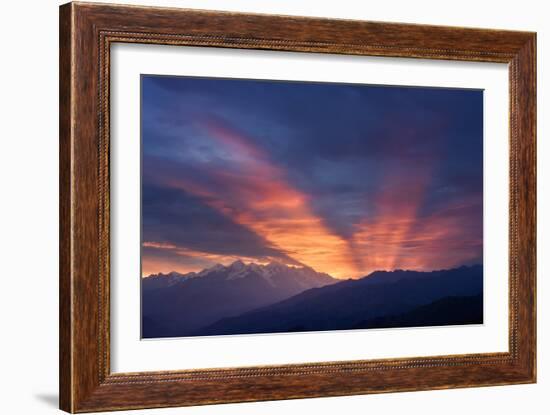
(175, 305)
(381, 299)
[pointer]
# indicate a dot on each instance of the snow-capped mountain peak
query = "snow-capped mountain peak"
(161, 280)
(274, 273)
(223, 290)
(237, 269)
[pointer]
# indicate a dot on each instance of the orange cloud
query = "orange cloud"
(152, 264)
(397, 238)
(258, 195)
(380, 239)
(254, 192)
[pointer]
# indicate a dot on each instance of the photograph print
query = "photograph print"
(285, 206)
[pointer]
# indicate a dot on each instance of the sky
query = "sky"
(343, 178)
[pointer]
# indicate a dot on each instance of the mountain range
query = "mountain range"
(245, 299)
(175, 305)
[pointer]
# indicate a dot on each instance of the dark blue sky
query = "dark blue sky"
(343, 178)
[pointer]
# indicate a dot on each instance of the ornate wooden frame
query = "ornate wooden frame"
(86, 33)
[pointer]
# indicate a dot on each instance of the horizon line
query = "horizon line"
(362, 275)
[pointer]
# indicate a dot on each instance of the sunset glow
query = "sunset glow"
(265, 171)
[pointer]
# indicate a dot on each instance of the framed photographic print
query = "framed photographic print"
(260, 207)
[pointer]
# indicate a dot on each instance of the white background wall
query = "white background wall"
(28, 208)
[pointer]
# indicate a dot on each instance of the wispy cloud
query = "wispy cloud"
(184, 259)
(343, 179)
(255, 193)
